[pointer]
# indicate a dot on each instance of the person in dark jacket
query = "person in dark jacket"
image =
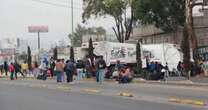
(69, 70)
(6, 67)
(52, 67)
(1, 68)
(17, 70)
(101, 65)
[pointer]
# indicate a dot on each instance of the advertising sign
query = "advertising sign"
(35, 29)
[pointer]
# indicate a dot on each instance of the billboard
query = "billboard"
(40, 28)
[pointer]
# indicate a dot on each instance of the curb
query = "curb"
(189, 101)
(135, 82)
(173, 83)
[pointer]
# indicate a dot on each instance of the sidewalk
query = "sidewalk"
(179, 81)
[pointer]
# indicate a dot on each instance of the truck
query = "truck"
(126, 53)
(113, 51)
(166, 54)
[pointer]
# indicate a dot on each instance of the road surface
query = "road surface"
(39, 95)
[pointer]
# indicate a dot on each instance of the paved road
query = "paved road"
(20, 95)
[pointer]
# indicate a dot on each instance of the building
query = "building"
(152, 35)
(21, 45)
(7, 49)
(97, 38)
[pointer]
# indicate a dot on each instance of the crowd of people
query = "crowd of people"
(68, 70)
(63, 70)
(157, 71)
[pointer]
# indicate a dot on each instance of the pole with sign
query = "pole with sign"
(38, 29)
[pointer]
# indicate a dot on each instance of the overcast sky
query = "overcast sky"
(17, 15)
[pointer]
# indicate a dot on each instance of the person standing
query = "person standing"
(166, 70)
(35, 69)
(44, 68)
(179, 68)
(1, 67)
(101, 65)
(11, 70)
(63, 71)
(69, 70)
(79, 67)
(24, 68)
(18, 70)
(59, 70)
(6, 68)
(52, 67)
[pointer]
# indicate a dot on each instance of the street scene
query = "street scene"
(104, 54)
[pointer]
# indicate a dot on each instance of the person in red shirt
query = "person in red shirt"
(11, 70)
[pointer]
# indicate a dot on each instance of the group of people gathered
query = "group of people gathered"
(68, 70)
(157, 71)
(123, 73)
(14, 68)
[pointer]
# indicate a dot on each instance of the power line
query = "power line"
(56, 4)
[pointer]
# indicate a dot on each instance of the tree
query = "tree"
(55, 53)
(90, 50)
(116, 9)
(71, 53)
(167, 15)
(100, 31)
(23, 56)
(186, 50)
(190, 4)
(80, 31)
(29, 57)
(138, 56)
(76, 37)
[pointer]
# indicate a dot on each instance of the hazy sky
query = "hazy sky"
(17, 15)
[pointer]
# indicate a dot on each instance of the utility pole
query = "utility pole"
(38, 41)
(72, 16)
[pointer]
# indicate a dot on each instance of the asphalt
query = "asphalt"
(48, 95)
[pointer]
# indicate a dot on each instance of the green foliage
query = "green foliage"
(55, 53)
(116, 9)
(164, 14)
(71, 53)
(80, 31)
(138, 57)
(22, 57)
(100, 8)
(76, 37)
(29, 57)
(90, 50)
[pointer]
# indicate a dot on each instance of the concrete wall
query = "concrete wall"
(152, 35)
